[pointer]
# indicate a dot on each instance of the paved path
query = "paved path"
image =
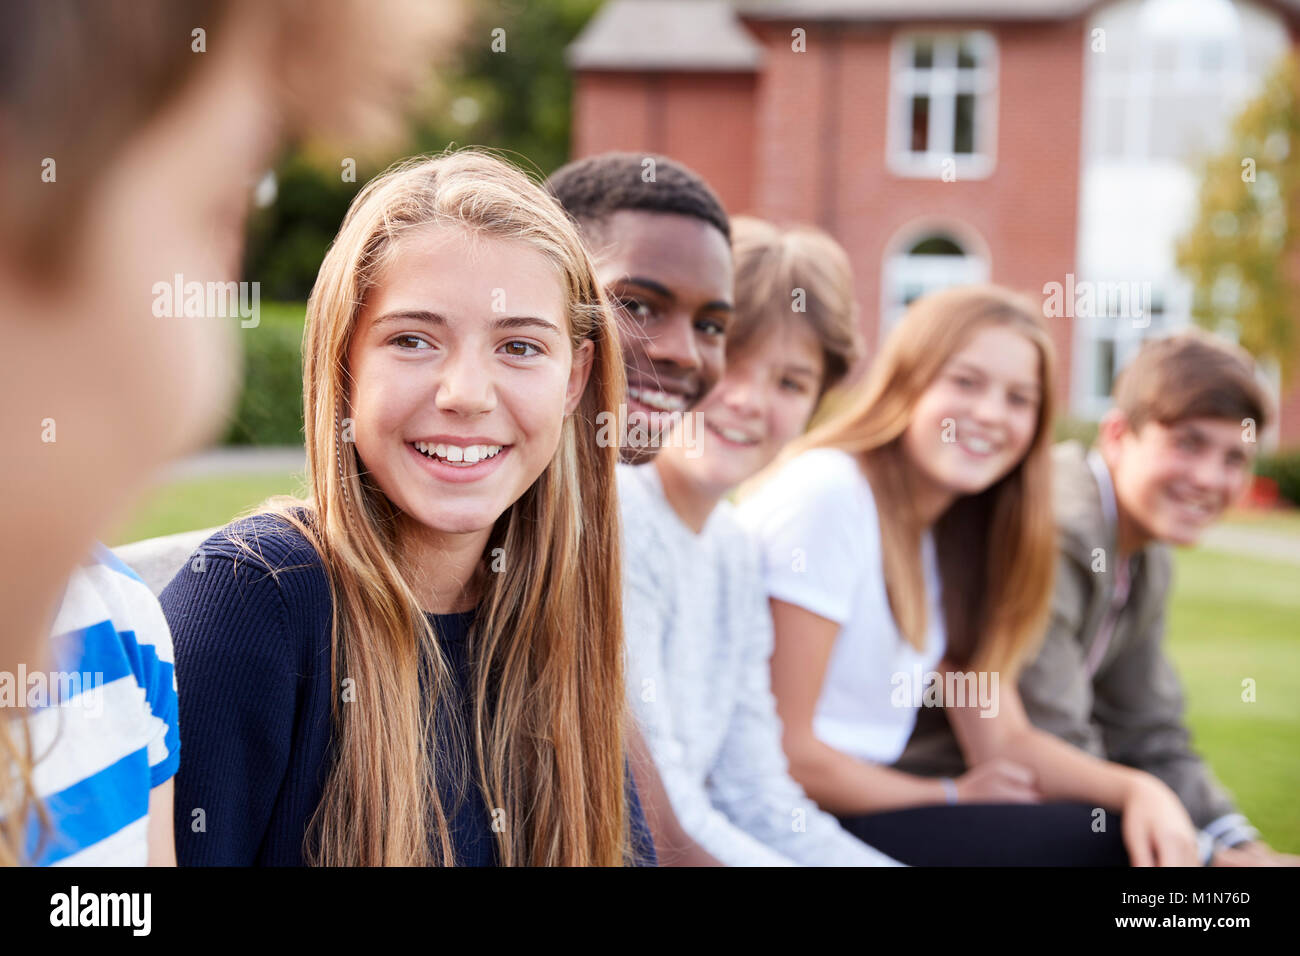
(1250, 541)
(1253, 542)
(240, 460)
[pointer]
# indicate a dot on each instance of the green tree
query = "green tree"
(508, 88)
(1241, 253)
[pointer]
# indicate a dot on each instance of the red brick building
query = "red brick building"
(942, 141)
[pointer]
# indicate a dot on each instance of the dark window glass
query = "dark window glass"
(936, 246)
(963, 133)
(967, 58)
(1105, 367)
(920, 124)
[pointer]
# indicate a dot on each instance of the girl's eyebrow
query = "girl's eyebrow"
(967, 366)
(804, 370)
(525, 321)
(408, 315)
(434, 318)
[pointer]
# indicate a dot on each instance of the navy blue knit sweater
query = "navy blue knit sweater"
(252, 637)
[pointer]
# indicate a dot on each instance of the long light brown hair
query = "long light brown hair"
(773, 264)
(996, 549)
(547, 638)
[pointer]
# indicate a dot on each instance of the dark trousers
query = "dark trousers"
(1001, 834)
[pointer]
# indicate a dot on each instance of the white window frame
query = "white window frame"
(941, 272)
(942, 82)
(1126, 337)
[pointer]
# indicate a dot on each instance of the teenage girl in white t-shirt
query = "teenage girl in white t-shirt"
(912, 533)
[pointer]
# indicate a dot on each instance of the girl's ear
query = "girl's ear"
(578, 375)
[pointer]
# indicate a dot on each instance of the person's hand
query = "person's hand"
(1157, 829)
(1254, 853)
(998, 781)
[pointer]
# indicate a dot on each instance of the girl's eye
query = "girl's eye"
(1019, 400)
(518, 349)
(964, 381)
(711, 327)
(793, 385)
(410, 342)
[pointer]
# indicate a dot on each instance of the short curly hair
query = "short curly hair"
(592, 189)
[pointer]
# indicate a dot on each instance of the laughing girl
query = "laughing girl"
(422, 662)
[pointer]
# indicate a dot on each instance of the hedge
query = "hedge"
(1283, 469)
(269, 411)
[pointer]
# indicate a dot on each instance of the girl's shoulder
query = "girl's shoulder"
(819, 480)
(260, 568)
(823, 467)
(267, 542)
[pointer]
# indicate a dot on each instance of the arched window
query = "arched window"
(924, 263)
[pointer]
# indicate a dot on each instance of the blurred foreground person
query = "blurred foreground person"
(133, 135)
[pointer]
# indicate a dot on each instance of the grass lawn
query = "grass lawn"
(204, 502)
(1236, 618)
(1232, 618)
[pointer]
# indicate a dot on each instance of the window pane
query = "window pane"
(1105, 377)
(963, 133)
(920, 124)
(923, 54)
(967, 57)
(936, 246)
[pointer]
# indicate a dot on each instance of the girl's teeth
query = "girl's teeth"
(468, 454)
(740, 438)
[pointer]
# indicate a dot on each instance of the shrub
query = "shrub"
(1283, 469)
(269, 411)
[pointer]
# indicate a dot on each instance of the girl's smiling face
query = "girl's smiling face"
(763, 402)
(977, 419)
(462, 373)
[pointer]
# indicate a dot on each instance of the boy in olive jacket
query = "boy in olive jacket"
(1174, 452)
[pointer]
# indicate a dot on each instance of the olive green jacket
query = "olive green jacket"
(1130, 710)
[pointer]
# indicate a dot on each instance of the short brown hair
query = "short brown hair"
(773, 262)
(1190, 375)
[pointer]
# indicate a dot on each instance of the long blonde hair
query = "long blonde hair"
(547, 638)
(996, 549)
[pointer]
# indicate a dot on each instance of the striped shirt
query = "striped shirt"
(103, 725)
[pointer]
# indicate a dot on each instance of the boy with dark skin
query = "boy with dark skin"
(661, 242)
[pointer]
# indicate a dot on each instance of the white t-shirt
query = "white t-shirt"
(819, 533)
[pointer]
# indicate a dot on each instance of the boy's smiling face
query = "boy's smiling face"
(1173, 481)
(669, 278)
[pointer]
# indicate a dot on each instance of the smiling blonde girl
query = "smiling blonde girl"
(421, 663)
